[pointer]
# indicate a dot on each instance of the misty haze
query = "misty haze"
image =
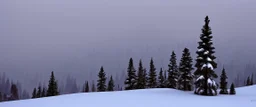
(74, 38)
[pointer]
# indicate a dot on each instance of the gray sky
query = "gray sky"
(81, 35)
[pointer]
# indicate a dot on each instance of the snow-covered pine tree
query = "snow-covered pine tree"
(173, 73)
(52, 86)
(186, 77)
(223, 82)
(232, 90)
(141, 79)
(111, 84)
(152, 82)
(101, 85)
(130, 81)
(248, 82)
(205, 64)
(34, 93)
(39, 92)
(161, 79)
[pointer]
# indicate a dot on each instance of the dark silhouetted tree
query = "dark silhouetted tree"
(161, 79)
(223, 82)
(248, 82)
(43, 93)
(111, 84)
(34, 93)
(101, 85)
(39, 92)
(93, 87)
(52, 86)
(141, 79)
(173, 73)
(86, 87)
(130, 81)
(205, 64)
(185, 68)
(14, 92)
(152, 83)
(252, 80)
(232, 89)
(1, 97)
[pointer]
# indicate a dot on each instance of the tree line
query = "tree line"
(177, 76)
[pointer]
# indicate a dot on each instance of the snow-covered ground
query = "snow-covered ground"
(245, 97)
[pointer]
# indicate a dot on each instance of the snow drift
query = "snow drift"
(245, 97)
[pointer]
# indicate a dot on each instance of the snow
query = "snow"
(209, 59)
(206, 52)
(200, 50)
(200, 78)
(208, 65)
(161, 97)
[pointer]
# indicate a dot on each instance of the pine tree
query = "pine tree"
(252, 80)
(130, 81)
(141, 80)
(1, 98)
(52, 86)
(14, 92)
(34, 93)
(43, 93)
(223, 82)
(39, 92)
(101, 85)
(152, 82)
(185, 68)
(205, 64)
(165, 79)
(145, 77)
(173, 74)
(232, 89)
(86, 87)
(93, 87)
(248, 82)
(111, 84)
(161, 79)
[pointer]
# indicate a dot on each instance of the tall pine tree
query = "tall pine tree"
(111, 84)
(152, 82)
(130, 81)
(52, 86)
(141, 80)
(14, 92)
(223, 82)
(161, 79)
(185, 68)
(101, 85)
(205, 64)
(173, 73)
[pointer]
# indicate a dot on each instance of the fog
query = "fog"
(78, 36)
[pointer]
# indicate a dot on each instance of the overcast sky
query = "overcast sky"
(82, 35)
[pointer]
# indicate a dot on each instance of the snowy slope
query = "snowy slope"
(246, 97)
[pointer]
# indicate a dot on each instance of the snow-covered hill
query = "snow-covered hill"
(246, 97)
